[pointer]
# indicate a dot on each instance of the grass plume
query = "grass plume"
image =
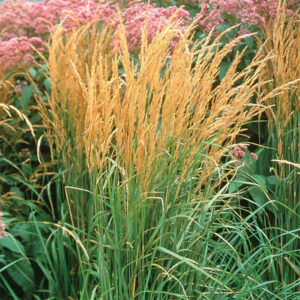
(165, 98)
(283, 70)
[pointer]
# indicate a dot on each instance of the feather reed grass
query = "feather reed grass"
(97, 114)
(283, 70)
(139, 143)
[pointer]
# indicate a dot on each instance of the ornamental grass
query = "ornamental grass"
(162, 99)
(283, 69)
(141, 185)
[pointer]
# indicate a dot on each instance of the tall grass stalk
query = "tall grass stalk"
(6, 84)
(283, 69)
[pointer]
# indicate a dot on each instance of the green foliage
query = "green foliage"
(250, 178)
(19, 128)
(17, 265)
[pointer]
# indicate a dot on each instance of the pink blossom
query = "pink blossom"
(247, 12)
(21, 19)
(34, 21)
(134, 21)
(19, 51)
(18, 89)
(26, 24)
(26, 18)
(239, 152)
(254, 155)
(2, 227)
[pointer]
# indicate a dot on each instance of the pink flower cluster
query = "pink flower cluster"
(26, 18)
(72, 13)
(239, 152)
(134, 21)
(250, 12)
(19, 51)
(2, 227)
(18, 87)
(23, 23)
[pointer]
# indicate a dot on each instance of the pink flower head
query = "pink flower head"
(19, 51)
(24, 24)
(157, 17)
(2, 227)
(249, 12)
(18, 89)
(30, 18)
(254, 155)
(238, 152)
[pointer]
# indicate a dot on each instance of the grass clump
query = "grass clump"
(139, 144)
(96, 114)
(283, 69)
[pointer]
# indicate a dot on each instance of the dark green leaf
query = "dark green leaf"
(35, 118)
(23, 275)
(12, 244)
(26, 95)
(260, 180)
(16, 192)
(224, 68)
(22, 230)
(258, 195)
(32, 72)
(234, 186)
(26, 168)
(273, 180)
(47, 84)
(2, 259)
